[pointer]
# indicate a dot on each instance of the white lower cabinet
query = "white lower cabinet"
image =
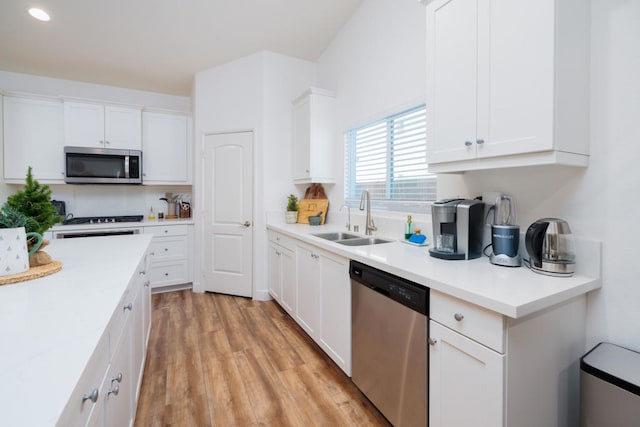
(107, 392)
(466, 381)
(335, 310)
(170, 255)
(308, 282)
(313, 286)
(282, 271)
(488, 370)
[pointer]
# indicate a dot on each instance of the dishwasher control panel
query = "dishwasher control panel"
(403, 291)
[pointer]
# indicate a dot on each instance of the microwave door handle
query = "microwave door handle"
(126, 166)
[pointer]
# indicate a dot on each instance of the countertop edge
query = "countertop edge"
(571, 287)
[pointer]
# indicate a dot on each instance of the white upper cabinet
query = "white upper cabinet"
(314, 137)
(102, 126)
(33, 132)
(507, 83)
(166, 148)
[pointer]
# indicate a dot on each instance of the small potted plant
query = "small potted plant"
(291, 216)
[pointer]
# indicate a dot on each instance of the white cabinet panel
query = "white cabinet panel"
(289, 289)
(275, 271)
(335, 310)
(282, 272)
(166, 148)
(314, 137)
(466, 385)
(308, 281)
(170, 255)
(33, 132)
(503, 88)
(102, 126)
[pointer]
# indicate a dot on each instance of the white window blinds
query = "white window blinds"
(389, 159)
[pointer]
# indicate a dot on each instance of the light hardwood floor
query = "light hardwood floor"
(218, 360)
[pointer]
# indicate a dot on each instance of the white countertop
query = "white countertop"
(513, 292)
(50, 326)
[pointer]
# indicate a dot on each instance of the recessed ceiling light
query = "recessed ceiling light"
(39, 14)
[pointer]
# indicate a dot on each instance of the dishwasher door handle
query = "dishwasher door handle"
(380, 290)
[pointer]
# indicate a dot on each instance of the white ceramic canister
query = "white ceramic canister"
(14, 257)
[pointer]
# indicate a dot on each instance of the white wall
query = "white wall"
(252, 93)
(376, 64)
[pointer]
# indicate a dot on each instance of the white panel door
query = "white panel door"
(452, 27)
(466, 381)
(228, 215)
(123, 127)
(83, 125)
(516, 77)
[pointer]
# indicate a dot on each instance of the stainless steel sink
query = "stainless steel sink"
(364, 241)
(337, 236)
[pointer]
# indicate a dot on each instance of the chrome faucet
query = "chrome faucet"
(349, 215)
(369, 225)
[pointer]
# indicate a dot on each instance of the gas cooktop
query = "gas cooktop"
(102, 219)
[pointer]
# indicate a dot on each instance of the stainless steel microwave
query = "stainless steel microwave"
(84, 165)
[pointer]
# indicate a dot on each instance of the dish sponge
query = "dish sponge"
(417, 238)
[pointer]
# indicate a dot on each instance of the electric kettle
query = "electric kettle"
(551, 248)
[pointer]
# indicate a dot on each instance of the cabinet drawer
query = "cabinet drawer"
(168, 248)
(77, 411)
(282, 240)
(168, 230)
(477, 323)
(168, 274)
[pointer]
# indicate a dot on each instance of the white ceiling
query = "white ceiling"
(127, 43)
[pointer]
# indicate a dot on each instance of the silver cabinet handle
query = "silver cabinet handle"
(458, 316)
(92, 397)
(142, 273)
(479, 141)
(432, 341)
(117, 378)
(468, 143)
(246, 224)
(147, 283)
(128, 307)
(114, 391)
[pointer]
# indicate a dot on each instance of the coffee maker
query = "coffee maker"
(457, 229)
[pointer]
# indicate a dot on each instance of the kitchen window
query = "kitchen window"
(389, 159)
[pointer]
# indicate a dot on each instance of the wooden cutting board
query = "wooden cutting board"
(311, 207)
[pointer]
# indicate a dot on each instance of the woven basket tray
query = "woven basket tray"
(32, 273)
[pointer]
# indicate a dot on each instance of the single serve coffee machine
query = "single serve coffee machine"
(457, 229)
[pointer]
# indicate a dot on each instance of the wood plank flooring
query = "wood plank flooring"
(219, 360)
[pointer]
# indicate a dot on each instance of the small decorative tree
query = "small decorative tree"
(291, 216)
(34, 200)
(292, 204)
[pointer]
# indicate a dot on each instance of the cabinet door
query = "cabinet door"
(308, 274)
(466, 381)
(116, 390)
(137, 343)
(166, 148)
(83, 124)
(33, 136)
(516, 77)
(289, 288)
(275, 271)
(335, 315)
(123, 128)
(301, 139)
(452, 45)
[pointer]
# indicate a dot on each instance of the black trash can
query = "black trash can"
(610, 387)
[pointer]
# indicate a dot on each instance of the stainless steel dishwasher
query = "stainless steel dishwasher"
(389, 343)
